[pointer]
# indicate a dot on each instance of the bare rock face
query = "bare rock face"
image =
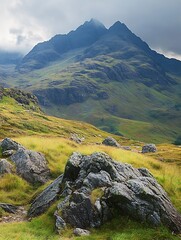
(5, 167)
(109, 141)
(30, 165)
(122, 189)
(149, 148)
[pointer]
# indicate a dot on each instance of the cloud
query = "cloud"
(25, 23)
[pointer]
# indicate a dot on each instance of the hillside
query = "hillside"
(107, 77)
(25, 122)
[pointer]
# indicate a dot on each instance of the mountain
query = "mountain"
(107, 77)
(46, 52)
(10, 57)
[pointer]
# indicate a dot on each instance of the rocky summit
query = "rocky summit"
(95, 189)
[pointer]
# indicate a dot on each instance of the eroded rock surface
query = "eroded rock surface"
(119, 188)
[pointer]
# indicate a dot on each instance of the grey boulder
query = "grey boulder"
(9, 144)
(109, 141)
(149, 148)
(119, 188)
(31, 166)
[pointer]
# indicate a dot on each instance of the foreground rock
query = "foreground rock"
(149, 148)
(46, 198)
(30, 165)
(119, 188)
(109, 141)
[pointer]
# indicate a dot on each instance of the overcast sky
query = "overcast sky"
(27, 22)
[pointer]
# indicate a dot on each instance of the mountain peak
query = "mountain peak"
(95, 23)
(118, 26)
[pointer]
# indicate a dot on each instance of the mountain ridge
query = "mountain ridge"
(113, 76)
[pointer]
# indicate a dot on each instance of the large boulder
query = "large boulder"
(31, 166)
(9, 144)
(149, 148)
(94, 187)
(5, 167)
(109, 141)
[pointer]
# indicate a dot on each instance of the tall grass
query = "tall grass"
(57, 151)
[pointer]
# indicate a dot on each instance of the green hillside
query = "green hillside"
(29, 126)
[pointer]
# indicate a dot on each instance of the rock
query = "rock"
(8, 207)
(72, 168)
(31, 166)
(5, 167)
(9, 144)
(59, 223)
(124, 190)
(7, 153)
(80, 212)
(46, 198)
(81, 232)
(109, 141)
(128, 148)
(76, 138)
(149, 148)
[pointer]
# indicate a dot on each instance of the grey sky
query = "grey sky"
(27, 22)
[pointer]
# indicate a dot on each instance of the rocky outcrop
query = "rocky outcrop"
(149, 148)
(109, 141)
(46, 198)
(5, 167)
(119, 188)
(30, 165)
(24, 98)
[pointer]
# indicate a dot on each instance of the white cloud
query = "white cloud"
(27, 22)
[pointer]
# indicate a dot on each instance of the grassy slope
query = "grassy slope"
(56, 146)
